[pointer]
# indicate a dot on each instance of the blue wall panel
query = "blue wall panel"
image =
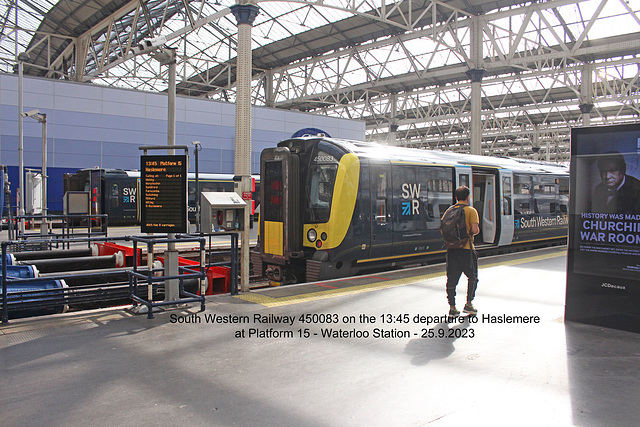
(76, 118)
(73, 147)
(99, 126)
(9, 149)
(81, 133)
(110, 121)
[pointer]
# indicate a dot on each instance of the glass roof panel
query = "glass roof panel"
(28, 17)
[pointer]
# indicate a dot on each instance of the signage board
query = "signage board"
(603, 266)
(163, 183)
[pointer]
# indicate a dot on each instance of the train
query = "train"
(116, 192)
(335, 208)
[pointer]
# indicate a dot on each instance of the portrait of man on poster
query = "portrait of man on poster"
(618, 192)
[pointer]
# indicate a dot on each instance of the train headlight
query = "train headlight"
(312, 235)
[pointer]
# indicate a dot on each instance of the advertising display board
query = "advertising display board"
(163, 183)
(603, 268)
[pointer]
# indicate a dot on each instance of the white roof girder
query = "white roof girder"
(350, 59)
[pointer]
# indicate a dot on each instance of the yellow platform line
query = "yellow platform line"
(267, 301)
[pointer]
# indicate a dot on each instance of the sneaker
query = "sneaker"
(453, 311)
(468, 308)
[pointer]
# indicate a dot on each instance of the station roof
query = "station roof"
(400, 66)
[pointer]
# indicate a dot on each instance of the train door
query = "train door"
(381, 227)
(489, 218)
(484, 193)
(506, 207)
(112, 205)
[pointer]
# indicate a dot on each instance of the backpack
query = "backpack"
(454, 228)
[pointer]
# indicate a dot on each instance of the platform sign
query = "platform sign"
(163, 183)
(603, 268)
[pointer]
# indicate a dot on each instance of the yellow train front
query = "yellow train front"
(332, 208)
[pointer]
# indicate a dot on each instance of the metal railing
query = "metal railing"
(23, 299)
(140, 284)
(69, 226)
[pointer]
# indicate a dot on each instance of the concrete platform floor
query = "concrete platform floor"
(108, 368)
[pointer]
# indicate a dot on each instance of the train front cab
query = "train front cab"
(308, 192)
(112, 192)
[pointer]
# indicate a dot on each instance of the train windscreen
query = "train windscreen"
(321, 183)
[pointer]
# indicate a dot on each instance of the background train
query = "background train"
(116, 192)
(333, 208)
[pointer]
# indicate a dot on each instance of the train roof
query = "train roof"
(402, 154)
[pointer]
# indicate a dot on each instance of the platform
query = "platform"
(260, 359)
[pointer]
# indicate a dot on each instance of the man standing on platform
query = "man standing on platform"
(463, 259)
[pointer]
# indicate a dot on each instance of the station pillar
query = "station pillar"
(585, 109)
(245, 14)
(475, 76)
(586, 93)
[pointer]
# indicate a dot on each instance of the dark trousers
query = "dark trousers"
(461, 261)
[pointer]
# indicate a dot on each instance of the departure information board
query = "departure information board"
(163, 184)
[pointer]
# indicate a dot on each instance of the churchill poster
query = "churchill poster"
(604, 227)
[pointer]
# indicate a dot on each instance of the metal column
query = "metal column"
(44, 227)
(167, 56)
(245, 15)
(23, 56)
(475, 75)
(393, 120)
(586, 93)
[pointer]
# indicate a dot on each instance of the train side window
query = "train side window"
(463, 179)
(506, 195)
(544, 193)
(563, 195)
(381, 198)
(439, 191)
(381, 211)
(522, 194)
(381, 184)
